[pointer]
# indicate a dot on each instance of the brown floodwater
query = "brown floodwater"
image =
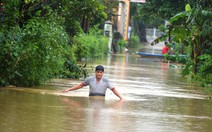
(157, 99)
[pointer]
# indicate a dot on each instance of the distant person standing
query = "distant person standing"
(165, 49)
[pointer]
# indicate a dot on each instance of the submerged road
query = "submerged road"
(157, 99)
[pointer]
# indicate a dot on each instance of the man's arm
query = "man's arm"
(117, 93)
(73, 88)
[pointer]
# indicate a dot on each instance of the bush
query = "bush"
(205, 70)
(33, 54)
(72, 70)
(121, 44)
(91, 45)
(134, 41)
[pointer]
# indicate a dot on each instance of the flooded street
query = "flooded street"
(157, 99)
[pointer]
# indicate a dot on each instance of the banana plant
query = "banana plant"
(191, 28)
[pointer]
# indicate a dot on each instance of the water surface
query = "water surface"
(157, 99)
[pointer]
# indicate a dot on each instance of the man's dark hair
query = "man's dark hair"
(99, 68)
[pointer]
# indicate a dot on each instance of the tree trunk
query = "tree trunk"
(85, 24)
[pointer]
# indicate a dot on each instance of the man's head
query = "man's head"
(99, 71)
(99, 68)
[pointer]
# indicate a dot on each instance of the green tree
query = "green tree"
(90, 45)
(35, 37)
(83, 14)
(153, 14)
(34, 44)
(32, 54)
(192, 28)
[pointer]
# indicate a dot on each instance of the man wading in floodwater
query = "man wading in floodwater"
(97, 84)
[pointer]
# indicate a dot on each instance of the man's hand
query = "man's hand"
(117, 94)
(64, 91)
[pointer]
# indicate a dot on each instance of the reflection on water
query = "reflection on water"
(93, 114)
(158, 99)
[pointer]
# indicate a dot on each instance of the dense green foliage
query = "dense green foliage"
(188, 31)
(80, 14)
(36, 39)
(153, 14)
(90, 45)
(73, 70)
(134, 41)
(33, 53)
(195, 33)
